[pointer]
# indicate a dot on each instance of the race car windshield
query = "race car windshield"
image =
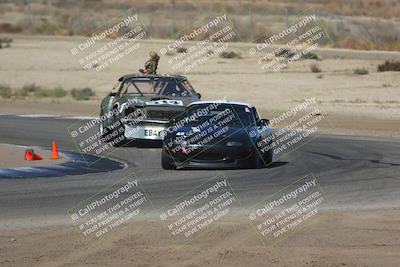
(234, 115)
(160, 86)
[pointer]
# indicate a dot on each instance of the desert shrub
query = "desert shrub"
(361, 71)
(11, 28)
(30, 89)
(284, 53)
(82, 94)
(5, 91)
(357, 100)
(170, 53)
(230, 54)
(389, 66)
(55, 92)
(45, 27)
(20, 93)
(59, 92)
(310, 55)
(355, 43)
(315, 68)
(43, 92)
(181, 50)
(5, 42)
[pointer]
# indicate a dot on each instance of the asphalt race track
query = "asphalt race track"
(354, 172)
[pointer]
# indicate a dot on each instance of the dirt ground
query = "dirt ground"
(13, 157)
(353, 104)
(338, 238)
(372, 101)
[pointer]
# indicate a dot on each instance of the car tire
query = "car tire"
(166, 162)
(256, 161)
(105, 130)
(268, 157)
(120, 136)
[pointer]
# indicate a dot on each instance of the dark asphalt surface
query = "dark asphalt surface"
(354, 172)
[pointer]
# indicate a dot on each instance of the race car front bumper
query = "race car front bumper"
(216, 157)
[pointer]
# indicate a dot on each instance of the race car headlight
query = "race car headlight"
(233, 143)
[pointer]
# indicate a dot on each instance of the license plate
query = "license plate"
(152, 133)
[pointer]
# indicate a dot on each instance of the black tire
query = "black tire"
(119, 140)
(116, 136)
(103, 128)
(105, 131)
(269, 156)
(166, 162)
(255, 161)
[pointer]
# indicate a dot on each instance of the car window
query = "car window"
(160, 86)
(137, 86)
(175, 88)
(201, 112)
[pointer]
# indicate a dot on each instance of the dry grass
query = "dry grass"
(356, 24)
(315, 68)
(389, 66)
(360, 71)
(230, 54)
(35, 91)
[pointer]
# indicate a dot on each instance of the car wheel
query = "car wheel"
(103, 128)
(166, 162)
(119, 140)
(268, 157)
(255, 161)
(104, 131)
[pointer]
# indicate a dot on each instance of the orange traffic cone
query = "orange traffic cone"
(36, 157)
(29, 154)
(54, 154)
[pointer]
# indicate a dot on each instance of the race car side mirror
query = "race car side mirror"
(264, 122)
(198, 95)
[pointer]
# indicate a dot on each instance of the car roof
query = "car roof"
(222, 102)
(139, 75)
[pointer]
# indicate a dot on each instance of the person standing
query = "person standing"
(151, 64)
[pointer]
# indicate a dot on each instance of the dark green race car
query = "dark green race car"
(140, 106)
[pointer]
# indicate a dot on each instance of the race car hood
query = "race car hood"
(156, 100)
(155, 108)
(213, 134)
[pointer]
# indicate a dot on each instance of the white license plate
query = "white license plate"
(152, 133)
